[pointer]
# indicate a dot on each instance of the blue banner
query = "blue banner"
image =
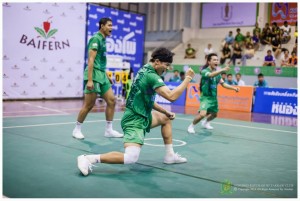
(171, 85)
(276, 101)
(125, 46)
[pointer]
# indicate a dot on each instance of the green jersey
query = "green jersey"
(98, 43)
(209, 84)
(142, 93)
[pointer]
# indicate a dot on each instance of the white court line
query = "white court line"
(35, 115)
(46, 108)
(234, 125)
(54, 124)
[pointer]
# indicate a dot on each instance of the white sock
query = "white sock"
(78, 125)
(109, 125)
(94, 158)
(169, 149)
(191, 125)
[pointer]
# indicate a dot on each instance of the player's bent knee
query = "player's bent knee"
(131, 154)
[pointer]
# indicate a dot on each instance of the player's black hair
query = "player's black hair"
(103, 21)
(162, 54)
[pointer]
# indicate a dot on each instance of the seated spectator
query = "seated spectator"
(226, 53)
(295, 49)
(266, 37)
(182, 76)
(267, 26)
(269, 59)
(261, 81)
(296, 33)
(239, 81)
(239, 38)
(208, 50)
(293, 60)
(223, 75)
(286, 32)
(229, 39)
(276, 45)
(230, 81)
(190, 53)
(248, 38)
(256, 29)
(237, 53)
(175, 77)
(255, 40)
(275, 29)
(285, 59)
(248, 54)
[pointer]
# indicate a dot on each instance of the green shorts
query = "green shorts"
(209, 104)
(135, 127)
(101, 82)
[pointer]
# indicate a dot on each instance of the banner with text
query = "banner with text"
(228, 14)
(43, 50)
(276, 101)
(280, 12)
(192, 95)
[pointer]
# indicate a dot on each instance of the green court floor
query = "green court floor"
(237, 159)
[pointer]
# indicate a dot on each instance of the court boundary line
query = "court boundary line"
(45, 108)
(160, 168)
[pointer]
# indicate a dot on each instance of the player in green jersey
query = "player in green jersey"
(139, 118)
(208, 98)
(96, 81)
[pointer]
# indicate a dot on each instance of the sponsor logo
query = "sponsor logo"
(281, 9)
(127, 16)
(95, 16)
(15, 67)
(34, 68)
(116, 13)
(226, 12)
(43, 77)
(52, 84)
(25, 59)
(132, 24)
(33, 84)
(139, 18)
(120, 21)
(284, 108)
(100, 10)
(14, 85)
(126, 29)
(277, 93)
(24, 76)
(52, 68)
(44, 60)
(123, 46)
(27, 8)
(138, 31)
(5, 76)
(5, 57)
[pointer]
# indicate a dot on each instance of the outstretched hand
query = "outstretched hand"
(236, 89)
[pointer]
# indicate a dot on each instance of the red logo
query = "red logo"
(45, 33)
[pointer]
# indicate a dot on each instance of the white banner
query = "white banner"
(228, 15)
(43, 50)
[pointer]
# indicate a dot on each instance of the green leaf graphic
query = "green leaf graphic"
(40, 31)
(51, 33)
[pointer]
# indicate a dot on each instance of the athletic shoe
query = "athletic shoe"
(175, 158)
(191, 129)
(112, 133)
(207, 125)
(84, 165)
(77, 134)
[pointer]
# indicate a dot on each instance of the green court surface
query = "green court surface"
(237, 159)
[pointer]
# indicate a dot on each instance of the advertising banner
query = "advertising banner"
(228, 15)
(276, 101)
(280, 12)
(43, 50)
(192, 95)
(171, 85)
(236, 101)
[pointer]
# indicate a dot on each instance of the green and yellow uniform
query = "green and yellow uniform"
(100, 79)
(137, 117)
(208, 98)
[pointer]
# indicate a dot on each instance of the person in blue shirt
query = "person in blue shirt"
(269, 59)
(176, 77)
(229, 38)
(230, 81)
(261, 82)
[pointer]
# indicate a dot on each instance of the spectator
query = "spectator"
(261, 81)
(267, 37)
(229, 39)
(248, 54)
(226, 53)
(285, 59)
(256, 29)
(230, 81)
(223, 75)
(269, 59)
(255, 40)
(208, 50)
(276, 45)
(237, 53)
(239, 81)
(190, 53)
(296, 33)
(293, 60)
(286, 32)
(275, 29)
(239, 38)
(295, 49)
(267, 26)
(175, 77)
(182, 76)
(248, 38)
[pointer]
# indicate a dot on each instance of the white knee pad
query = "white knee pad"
(131, 154)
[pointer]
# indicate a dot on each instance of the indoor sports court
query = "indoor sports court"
(71, 70)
